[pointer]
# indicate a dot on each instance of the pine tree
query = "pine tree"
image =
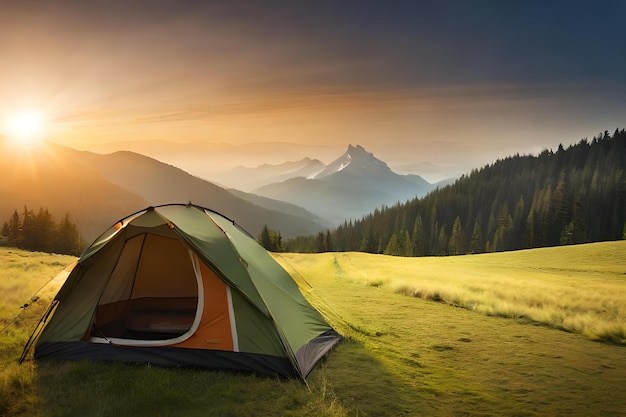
(404, 244)
(475, 242)
(456, 238)
(40, 233)
(329, 241)
(392, 246)
(67, 238)
(29, 230)
(45, 227)
(419, 240)
(276, 241)
(264, 238)
(321, 243)
(442, 242)
(14, 231)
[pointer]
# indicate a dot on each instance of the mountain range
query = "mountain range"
(354, 184)
(247, 178)
(296, 198)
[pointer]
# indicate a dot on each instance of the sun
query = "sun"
(24, 127)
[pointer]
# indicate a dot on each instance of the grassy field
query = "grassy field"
(409, 348)
(576, 288)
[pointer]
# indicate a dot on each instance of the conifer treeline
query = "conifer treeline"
(40, 232)
(573, 195)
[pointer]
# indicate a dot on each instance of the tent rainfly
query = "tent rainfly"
(181, 285)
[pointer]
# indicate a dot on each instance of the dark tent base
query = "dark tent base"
(168, 357)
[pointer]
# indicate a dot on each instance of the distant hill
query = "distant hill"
(160, 183)
(573, 195)
(247, 179)
(99, 189)
(280, 206)
(354, 184)
(47, 177)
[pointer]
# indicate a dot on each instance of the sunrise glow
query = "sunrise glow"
(24, 127)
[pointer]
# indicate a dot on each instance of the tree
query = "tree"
(329, 241)
(366, 240)
(442, 247)
(392, 246)
(419, 238)
(14, 230)
(40, 233)
(404, 243)
(502, 236)
(45, 226)
(29, 230)
(68, 239)
(321, 243)
(578, 227)
(456, 238)
(276, 241)
(475, 242)
(264, 238)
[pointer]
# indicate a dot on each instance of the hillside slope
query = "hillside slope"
(45, 177)
(160, 183)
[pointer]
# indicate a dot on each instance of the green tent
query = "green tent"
(181, 285)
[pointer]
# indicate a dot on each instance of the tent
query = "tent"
(181, 285)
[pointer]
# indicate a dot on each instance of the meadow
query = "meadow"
(528, 333)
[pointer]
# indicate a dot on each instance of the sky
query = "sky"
(450, 85)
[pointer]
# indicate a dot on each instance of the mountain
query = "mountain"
(99, 189)
(361, 169)
(247, 179)
(354, 184)
(567, 196)
(160, 183)
(46, 176)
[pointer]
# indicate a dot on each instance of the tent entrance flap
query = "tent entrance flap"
(151, 295)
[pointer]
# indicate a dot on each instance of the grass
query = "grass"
(579, 289)
(403, 355)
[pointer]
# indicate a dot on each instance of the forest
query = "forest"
(40, 232)
(567, 196)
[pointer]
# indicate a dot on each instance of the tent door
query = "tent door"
(154, 296)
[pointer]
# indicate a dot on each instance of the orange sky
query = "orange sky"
(391, 79)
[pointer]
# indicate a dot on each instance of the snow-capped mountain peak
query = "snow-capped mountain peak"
(357, 160)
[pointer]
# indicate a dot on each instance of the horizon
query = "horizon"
(447, 87)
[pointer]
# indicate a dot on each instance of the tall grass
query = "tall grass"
(27, 286)
(579, 289)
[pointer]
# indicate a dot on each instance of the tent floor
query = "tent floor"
(147, 326)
